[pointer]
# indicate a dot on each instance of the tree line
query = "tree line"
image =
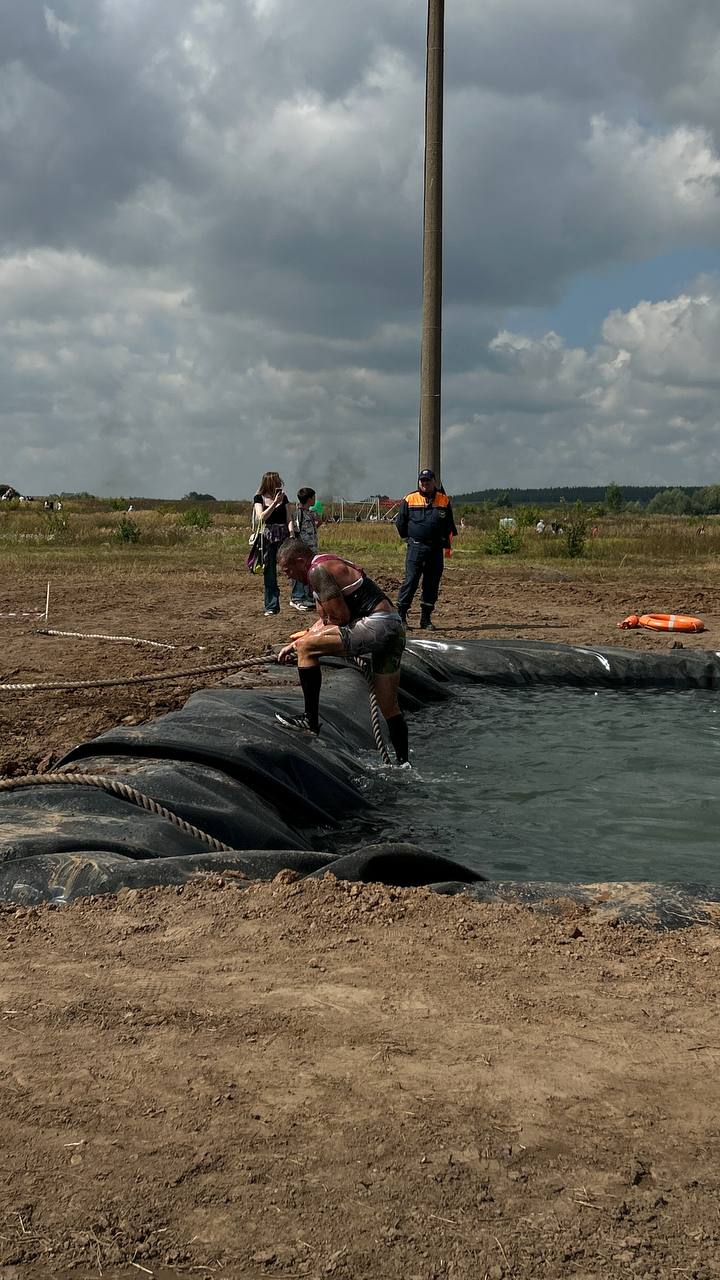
(676, 501)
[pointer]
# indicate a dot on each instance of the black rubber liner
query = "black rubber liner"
(223, 763)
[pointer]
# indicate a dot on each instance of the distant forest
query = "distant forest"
(633, 497)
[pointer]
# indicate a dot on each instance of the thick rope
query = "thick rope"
(122, 680)
(91, 635)
(116, 788)
(366, 670)
(49, 685)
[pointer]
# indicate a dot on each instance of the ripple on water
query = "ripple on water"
(563, 784)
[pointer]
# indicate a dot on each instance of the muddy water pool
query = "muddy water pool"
(563, 784)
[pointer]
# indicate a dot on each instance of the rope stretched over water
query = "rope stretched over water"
(116, 788)
(91, 635)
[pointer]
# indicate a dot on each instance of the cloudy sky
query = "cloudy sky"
(210, 251)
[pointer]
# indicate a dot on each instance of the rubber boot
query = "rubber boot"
(426, 623)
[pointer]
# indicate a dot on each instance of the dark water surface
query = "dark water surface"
(565, 784)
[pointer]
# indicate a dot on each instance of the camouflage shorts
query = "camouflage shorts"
(380, 636)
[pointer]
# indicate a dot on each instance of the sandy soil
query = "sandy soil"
(334, 1080)
(328, 1080)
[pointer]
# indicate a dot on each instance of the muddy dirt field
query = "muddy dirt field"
(223, 613)
(332, 1080)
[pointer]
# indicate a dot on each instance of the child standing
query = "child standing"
(305, 527)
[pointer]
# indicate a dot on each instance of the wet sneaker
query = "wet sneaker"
(300, 723)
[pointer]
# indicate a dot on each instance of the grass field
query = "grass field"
(94, 538)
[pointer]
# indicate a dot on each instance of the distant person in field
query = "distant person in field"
(425, 521)
(304, 525)
(271, 510)
(356, 620)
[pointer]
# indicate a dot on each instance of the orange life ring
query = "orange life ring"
(663, 622)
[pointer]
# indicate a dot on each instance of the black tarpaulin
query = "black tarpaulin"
(223, 763)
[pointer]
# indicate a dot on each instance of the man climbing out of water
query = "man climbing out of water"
(425, 521)
(356, 620)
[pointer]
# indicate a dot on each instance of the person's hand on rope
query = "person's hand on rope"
(288, 653)
(309, 631)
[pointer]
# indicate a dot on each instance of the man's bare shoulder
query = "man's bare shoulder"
(337, 568)
(323, 581)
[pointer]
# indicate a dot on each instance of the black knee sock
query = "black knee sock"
(310, 682)
(398, 730)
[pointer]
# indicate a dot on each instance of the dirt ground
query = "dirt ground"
(332, 1080)
(222, 612)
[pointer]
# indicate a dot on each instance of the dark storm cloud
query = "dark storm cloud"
(82, 127)
(210, 238)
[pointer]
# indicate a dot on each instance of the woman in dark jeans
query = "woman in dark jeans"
(272, 512)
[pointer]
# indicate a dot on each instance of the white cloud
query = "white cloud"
(643, 404)
(62, 31)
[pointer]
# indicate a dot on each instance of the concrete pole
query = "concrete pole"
(431, 349)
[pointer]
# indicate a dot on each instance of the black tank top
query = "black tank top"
(362, 598)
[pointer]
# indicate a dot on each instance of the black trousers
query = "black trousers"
(426, 563)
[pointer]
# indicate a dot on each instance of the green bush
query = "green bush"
(127, 531)
(614, 500)
(504, 542)
(57, 527)
(575, 531)
(196, 518)
(671, 502)
(527, 516)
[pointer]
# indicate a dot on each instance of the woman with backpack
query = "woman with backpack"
(271, 513)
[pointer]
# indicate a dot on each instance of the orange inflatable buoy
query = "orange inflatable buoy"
(663, 622)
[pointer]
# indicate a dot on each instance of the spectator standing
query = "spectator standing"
(426, 521)
(271, 510)
(305, 527)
